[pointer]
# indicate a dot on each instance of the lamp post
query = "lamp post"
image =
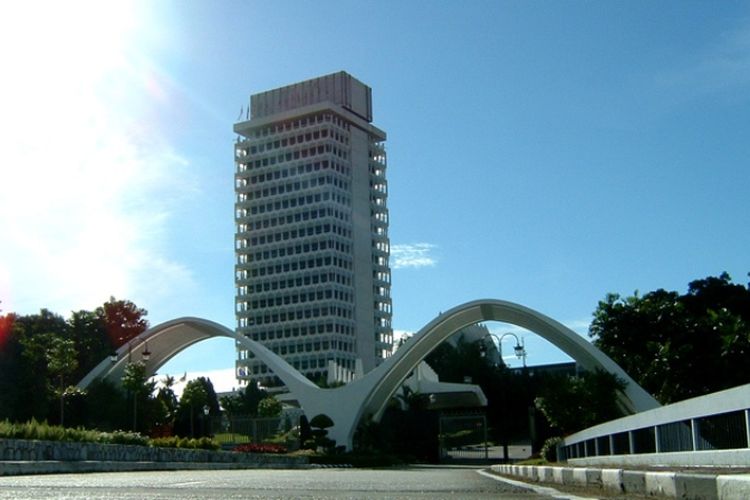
(135, 391)
(206, 410)
(520, 351)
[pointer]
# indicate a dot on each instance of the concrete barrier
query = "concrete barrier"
(557, 475)
(634, 482)
(701, 486)
(732, 487)
(664, 484)
(612, 480)
(661, 483)
(594, 478)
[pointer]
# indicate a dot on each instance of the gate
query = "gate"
(463, 437)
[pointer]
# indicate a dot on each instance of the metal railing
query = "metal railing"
(718, 421)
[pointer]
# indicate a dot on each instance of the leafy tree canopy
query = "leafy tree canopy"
(321, 421)
(675, 345)
(571, 403)
(269, 407)
(197, 394)
(246, 401)
(38, 351)
(135, 380)
(123, 320)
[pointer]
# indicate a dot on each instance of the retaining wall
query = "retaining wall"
(20, 456)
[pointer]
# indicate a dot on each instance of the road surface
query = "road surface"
(439, 482)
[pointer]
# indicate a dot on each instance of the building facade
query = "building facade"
(312, 251)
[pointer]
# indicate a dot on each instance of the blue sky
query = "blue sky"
(540, 152)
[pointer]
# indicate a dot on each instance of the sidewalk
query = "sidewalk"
(709, 484)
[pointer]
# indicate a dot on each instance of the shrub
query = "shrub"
(34, 430)
(206, 443)
(124, 437)
(321, 421)
(549, 449)
(43, 431)
(203, 443)
(165, 442)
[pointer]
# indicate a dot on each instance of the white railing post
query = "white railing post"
(631, 443)
(695, 433)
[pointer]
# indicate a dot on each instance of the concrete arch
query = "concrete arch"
(166, 340)
(396, 368)
(369, 395)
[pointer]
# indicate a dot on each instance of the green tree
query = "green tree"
(572, 403)
(167, 396)
(30, 344)
(136, 382)
(86, 329)
(61, 362)
(679, 346)
(35, 334)
(197, 395)
(320, 425)
(122, 320)
(245, 402)
(269, 407)
(11, 367)
(105, 406)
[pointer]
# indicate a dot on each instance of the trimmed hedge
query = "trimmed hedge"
(42, 431)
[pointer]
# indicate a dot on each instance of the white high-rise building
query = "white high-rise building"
(312, 273)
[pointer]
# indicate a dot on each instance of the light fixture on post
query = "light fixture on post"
(206, 430)
(519, 349)
(146, 354)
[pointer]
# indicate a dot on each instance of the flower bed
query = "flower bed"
(260, 448)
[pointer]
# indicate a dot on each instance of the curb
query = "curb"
(647, 483)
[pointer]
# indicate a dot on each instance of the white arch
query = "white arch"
(346, 405)
(167, 339)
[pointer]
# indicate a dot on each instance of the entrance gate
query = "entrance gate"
(463, 437)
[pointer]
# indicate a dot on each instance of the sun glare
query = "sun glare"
(77, 173)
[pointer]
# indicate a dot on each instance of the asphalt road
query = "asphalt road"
(455, 483)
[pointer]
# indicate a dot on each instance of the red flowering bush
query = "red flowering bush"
(260, 448)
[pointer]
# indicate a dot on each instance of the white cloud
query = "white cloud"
(412, 255)
(400, 336)
(88, 183)
(723, 65)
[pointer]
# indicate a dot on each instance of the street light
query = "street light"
(145, 354)
(519, 349)
(206, 431)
